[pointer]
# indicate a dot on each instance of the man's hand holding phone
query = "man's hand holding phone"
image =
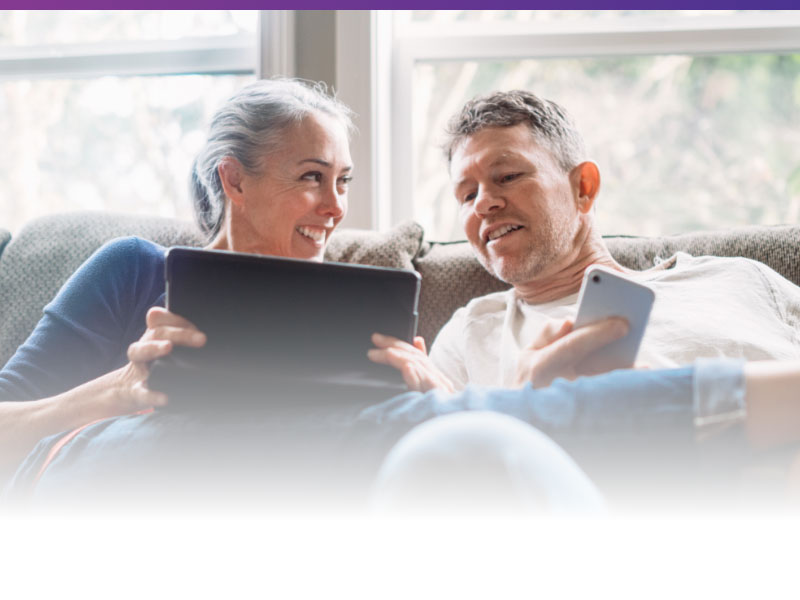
(606, 335)
(560, 350)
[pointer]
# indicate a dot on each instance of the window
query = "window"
(106, 109)
(692, 115)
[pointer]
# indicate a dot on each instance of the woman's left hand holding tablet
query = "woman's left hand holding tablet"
(165, 330)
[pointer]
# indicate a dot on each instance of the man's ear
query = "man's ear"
(585, 180)
(230, 175)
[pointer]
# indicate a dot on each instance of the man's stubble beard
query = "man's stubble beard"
(549, 245)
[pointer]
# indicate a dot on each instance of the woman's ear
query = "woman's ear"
(585, 179)
(231, 173)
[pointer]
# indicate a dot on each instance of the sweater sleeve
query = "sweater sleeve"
(85, 331)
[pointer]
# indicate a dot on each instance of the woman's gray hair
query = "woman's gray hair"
(250, 125)
(549, 123)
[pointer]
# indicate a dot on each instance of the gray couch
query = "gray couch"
(36, 261)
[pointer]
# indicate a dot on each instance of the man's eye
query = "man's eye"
(312, 176)
(469, 197)
(509, 177)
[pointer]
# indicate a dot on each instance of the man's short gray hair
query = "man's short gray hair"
(250, 125)
(549, 123)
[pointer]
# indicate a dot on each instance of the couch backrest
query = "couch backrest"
(40, 258)
(777, 246)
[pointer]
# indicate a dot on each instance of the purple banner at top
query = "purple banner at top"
(381, 4)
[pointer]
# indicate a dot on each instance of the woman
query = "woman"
(272, 179)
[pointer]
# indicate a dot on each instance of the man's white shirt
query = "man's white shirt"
(705, 307)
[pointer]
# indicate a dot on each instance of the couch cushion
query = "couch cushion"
(451, 275)
(45, 252)
(395, 248)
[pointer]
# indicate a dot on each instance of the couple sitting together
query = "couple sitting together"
(506, 376)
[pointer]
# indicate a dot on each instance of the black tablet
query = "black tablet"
(271, 320)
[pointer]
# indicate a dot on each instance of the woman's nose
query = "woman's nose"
(333, 203)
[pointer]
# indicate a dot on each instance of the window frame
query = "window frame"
(268, 51)
(374, 69)
(425, 42)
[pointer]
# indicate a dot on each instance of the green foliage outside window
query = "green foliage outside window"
(683, 142)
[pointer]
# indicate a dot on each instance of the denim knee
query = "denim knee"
(481, 461)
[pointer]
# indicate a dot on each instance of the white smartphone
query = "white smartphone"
(606, 293)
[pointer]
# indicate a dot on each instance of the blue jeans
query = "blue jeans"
(631, 429)
(333, 443)
(629, 400)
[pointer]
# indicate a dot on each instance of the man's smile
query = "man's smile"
(496, 232)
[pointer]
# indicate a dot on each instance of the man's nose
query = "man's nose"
(488, 201)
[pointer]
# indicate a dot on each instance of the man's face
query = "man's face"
(517, 206)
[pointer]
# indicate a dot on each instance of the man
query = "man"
(527, 197)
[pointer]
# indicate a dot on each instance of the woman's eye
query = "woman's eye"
(312, 176)
(345, 179)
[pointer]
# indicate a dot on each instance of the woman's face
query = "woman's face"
(293, 206)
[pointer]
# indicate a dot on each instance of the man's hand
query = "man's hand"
(413, 362)
(560, 351)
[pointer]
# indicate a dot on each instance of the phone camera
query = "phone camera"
(596, 278)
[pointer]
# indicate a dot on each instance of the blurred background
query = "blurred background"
(693, 116)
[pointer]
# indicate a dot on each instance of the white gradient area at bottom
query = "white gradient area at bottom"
(320, 557)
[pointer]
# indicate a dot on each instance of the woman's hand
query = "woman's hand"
(413, 362)
(117, 393)
(165, 330)
(560, 351)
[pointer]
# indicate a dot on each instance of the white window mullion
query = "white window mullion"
(402, 134)
(355, 86)
(382, 131)
(276, 44)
